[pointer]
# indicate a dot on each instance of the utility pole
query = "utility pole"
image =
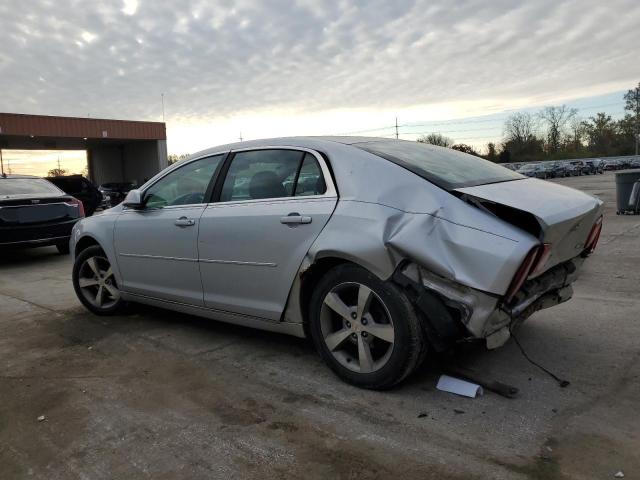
(1, 164)
(162, 100)
(396, 128)
(240, 137)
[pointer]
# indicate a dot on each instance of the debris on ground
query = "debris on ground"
(619, 475)
(494, 386)
(457, 410)
(41, 418)
(458, 386)
(422, 415)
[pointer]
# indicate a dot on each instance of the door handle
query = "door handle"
(184, 222)
(295, 218)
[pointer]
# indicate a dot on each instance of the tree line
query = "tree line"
(557, 132)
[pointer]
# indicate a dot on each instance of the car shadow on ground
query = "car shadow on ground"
(25, 257)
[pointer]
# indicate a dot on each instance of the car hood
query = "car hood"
(565, 215)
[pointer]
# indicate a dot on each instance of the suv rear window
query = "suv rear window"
(27, 186)
(444, 167)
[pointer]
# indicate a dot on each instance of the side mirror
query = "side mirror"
(133, 200)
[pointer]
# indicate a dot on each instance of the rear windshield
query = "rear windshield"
(27, 186)
(446, 168)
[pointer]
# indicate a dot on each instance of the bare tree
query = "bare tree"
(436, 139)
(521, 141)
(556, 119)
(464, 148)
(56, 172)
(491, 152)
(520, 128)
(577, 134)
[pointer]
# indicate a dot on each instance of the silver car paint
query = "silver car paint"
(565, 215)
(384, 214)
(149, 245)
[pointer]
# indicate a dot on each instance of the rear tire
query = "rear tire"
(94, 282)
(366, 330)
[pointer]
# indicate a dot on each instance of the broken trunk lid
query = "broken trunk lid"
(565, 215)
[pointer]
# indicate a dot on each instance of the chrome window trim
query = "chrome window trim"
(278, 200)
(331, 191)
(168, 207)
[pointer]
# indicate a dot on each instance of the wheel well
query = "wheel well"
(310, 279)
(84, 243)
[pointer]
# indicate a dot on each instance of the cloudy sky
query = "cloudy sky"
(280, 67)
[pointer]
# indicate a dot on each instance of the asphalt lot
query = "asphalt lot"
(156, 394)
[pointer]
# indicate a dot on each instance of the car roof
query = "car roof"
(312, 142)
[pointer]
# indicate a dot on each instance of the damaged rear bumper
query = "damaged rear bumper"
(455, 312)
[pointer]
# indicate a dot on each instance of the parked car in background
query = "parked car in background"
(529, 169)
(611, 165)
(300, 236)
(36, 213)
(80, 188)
(560, 169)
(575, 168)
(113, 193)
(547, 170)
(592, 167)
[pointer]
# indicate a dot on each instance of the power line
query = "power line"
(472, 120)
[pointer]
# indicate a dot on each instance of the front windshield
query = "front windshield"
(444, 167)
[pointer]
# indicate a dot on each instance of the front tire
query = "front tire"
(365, 329)
(94, 282)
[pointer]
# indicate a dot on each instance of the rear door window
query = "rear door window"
(262, 174)
(310, 179)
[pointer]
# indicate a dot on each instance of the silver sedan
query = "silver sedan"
(378, 250)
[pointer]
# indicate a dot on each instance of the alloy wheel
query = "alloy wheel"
(97, 283)
(357, 328)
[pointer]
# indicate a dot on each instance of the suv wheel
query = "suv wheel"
(365, 329)
(94, 282)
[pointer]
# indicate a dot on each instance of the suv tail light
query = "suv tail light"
(77, 203)
(592, 239)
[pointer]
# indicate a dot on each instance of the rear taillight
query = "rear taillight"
(523, 272)
(592, 239)
(542, 259)
(77, 203)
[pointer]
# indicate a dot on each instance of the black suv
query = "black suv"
(114, 192)
(80, 188)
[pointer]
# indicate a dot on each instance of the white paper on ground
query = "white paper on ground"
(460, 387)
